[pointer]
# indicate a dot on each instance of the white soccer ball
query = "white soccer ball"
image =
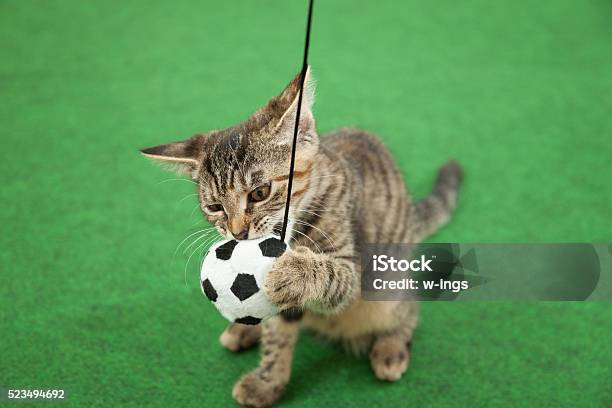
(233, 275)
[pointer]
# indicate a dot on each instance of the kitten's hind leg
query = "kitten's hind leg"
(390, 351)
(237, 337)
(389, 356)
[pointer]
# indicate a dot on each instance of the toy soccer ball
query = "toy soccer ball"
(233, 274)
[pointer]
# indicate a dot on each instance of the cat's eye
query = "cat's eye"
(260, 193)
(213, 208)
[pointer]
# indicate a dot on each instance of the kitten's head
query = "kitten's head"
(242, 171)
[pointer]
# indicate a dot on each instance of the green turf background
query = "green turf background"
(93, 301)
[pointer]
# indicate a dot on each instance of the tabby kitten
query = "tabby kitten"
(347, 191)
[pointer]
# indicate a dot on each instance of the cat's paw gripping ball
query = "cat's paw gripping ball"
(233, 275)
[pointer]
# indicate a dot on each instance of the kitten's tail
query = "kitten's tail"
(434, 211)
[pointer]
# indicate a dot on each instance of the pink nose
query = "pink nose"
(244, 234)
(239, 227)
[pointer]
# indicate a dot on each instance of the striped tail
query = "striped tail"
(434, 211)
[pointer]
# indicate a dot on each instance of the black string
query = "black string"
(297, 121)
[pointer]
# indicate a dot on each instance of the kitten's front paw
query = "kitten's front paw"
(287, 284)
(257, 389)
(237, 337)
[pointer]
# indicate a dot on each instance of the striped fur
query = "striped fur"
(347, 192)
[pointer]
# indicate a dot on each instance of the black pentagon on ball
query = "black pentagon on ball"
(244, 286)
(248, 320)
(272, 247)
(224, 252)
(209, 291)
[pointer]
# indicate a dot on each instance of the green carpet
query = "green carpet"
(92, 299)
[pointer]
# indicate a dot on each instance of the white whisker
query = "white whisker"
(177, 179)
(194, 208)
(189, 236)
(203, 236)
(309, 212)
(188, 196)
(308, 238)
(203, 244)
(198, 222)
(323, 233)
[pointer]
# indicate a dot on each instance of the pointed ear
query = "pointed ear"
(183, 157)
(289, 99)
